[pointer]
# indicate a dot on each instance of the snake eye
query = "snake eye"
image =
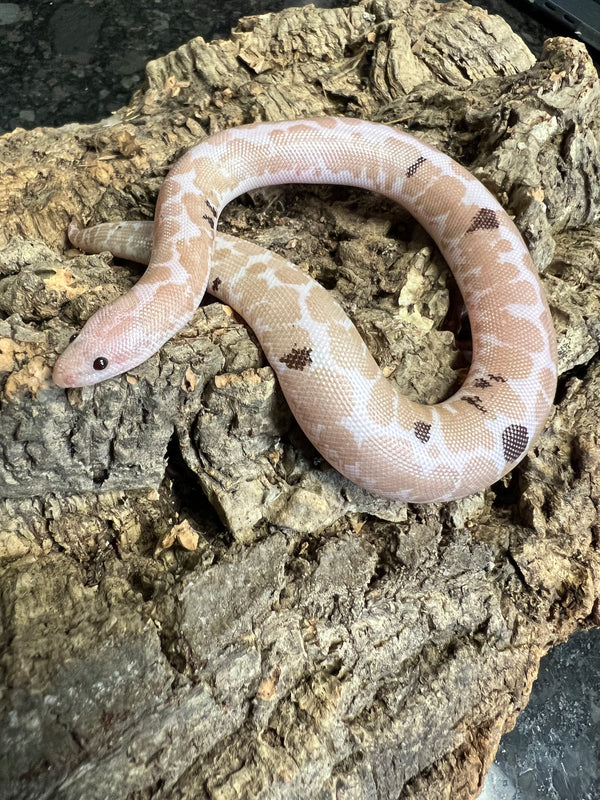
(100, 363)
(73, 337)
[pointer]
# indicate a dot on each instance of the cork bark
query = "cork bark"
(194, 605)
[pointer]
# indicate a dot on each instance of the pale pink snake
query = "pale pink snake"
(359, 422)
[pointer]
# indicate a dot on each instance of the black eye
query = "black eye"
(100, 363)
(73, 337)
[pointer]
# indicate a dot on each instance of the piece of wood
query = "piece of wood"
(312, 641)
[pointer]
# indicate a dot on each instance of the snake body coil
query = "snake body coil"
(359, 422)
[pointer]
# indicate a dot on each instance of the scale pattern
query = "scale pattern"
(356, 418)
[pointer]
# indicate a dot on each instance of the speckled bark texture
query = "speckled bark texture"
(193, 604)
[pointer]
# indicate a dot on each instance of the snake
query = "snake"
(357, 419)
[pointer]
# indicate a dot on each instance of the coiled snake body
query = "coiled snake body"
(359, 422)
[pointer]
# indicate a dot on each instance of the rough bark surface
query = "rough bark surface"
(193, 604)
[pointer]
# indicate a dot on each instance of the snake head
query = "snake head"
(111, 342)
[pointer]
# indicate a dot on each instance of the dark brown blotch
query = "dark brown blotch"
(414, 167)
(297, 358)
(485, 219)
(482, 383)
(475, 401)
(515, 439)
(485, 383)
(216, 283)
(422, 431)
